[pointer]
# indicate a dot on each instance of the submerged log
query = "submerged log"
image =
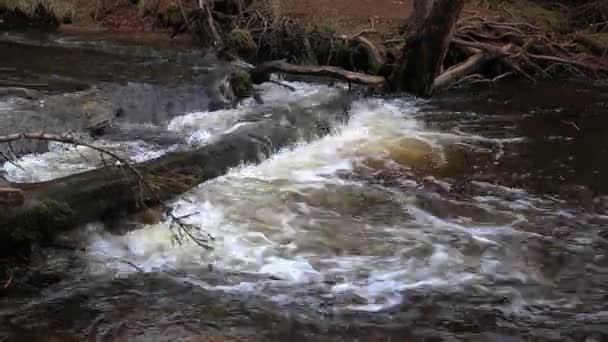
(58, 205)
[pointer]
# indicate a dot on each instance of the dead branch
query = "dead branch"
(494, 50)
(283, 85)
(183, 231)
(371, 49)
(459, 71)
(8, 282)
(204, 5)
(66, 139)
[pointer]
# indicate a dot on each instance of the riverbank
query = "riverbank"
(522, 39)
(349, 15)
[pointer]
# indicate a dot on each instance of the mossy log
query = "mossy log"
(61, 204)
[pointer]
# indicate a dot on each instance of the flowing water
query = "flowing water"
(467, 218)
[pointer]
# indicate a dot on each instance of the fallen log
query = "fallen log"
(262, 72)
(61, 204)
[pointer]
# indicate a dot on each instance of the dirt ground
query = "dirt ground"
(354, 9)
(123, 17)
(348, 16)
(353, 15)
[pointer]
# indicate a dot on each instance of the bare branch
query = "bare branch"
(66, 139)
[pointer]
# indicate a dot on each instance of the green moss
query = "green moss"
(241, 42)
(241, 84)
(41, 221)
(374, 66)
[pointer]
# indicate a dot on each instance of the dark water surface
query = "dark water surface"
(479, 216)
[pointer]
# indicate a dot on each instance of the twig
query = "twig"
(139, 269)
(73, 141)
(183, 11)
(8, 282)
(10, 160)
(571, 123)
(283, 85)
(66, 140)
(185, 228)
(204, 5)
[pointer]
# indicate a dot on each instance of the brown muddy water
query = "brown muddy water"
(479, 216)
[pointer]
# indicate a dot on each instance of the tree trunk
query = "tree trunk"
(427, 46)
(62, 204)
(422, 9)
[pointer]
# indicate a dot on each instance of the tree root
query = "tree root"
(533, 49)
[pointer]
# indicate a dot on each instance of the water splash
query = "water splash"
(300, 217)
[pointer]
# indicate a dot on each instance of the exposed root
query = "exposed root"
(532, 50)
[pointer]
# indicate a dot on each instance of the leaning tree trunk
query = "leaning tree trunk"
(427, 45)
(50, 207)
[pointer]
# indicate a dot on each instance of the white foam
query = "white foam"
(293, 220)
(64, 160)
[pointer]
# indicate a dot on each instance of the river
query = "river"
(478, 216)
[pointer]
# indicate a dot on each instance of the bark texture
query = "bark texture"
(427, 46)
